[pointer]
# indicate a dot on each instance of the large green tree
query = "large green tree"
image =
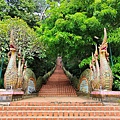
(70, 31)
(71, 28)
(23, 9)
(26, 38)
(30, 11)
(4, 8)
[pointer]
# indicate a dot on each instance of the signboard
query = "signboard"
(84, 86)
(31, 87)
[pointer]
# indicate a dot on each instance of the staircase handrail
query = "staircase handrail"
(73, 80)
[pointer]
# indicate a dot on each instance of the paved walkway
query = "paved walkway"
(58, 99)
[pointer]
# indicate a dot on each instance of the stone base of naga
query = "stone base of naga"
(18, 79)
(97, 80)
(10, 95)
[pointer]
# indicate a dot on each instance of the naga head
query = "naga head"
(25, 65)
(12, 42)
(91, 66)
(93, 59)
(96, 52)
(104, 45)
(19, 53)
(23, 59)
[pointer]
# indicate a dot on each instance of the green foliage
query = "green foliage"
(72, 26)
(115, 34)
(23, 9)
(1, 83)
(23, 35)
(31, 11)
(26, 38)
(116, 73)
(92, 23)
(85, 62)
(107, 12)
(69, 27)
(116, 84)
(40, 5)
(3, 9)
(114, 39)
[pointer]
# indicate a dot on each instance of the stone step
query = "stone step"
(61, 108)
(60, 113)
(56, 103)
(52, 92)
(57, 90)
(57, 85)
(60, 118)
(56, 95)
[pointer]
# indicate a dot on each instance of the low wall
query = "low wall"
(106, 96)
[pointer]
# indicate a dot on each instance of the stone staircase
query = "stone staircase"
(57, 100)
(59, 111)
(57, 85)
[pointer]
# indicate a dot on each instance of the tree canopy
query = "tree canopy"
(72, 25)
(23, 35)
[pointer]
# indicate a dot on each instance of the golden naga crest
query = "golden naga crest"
(96, 52)
(104, 45)
(12, 42)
